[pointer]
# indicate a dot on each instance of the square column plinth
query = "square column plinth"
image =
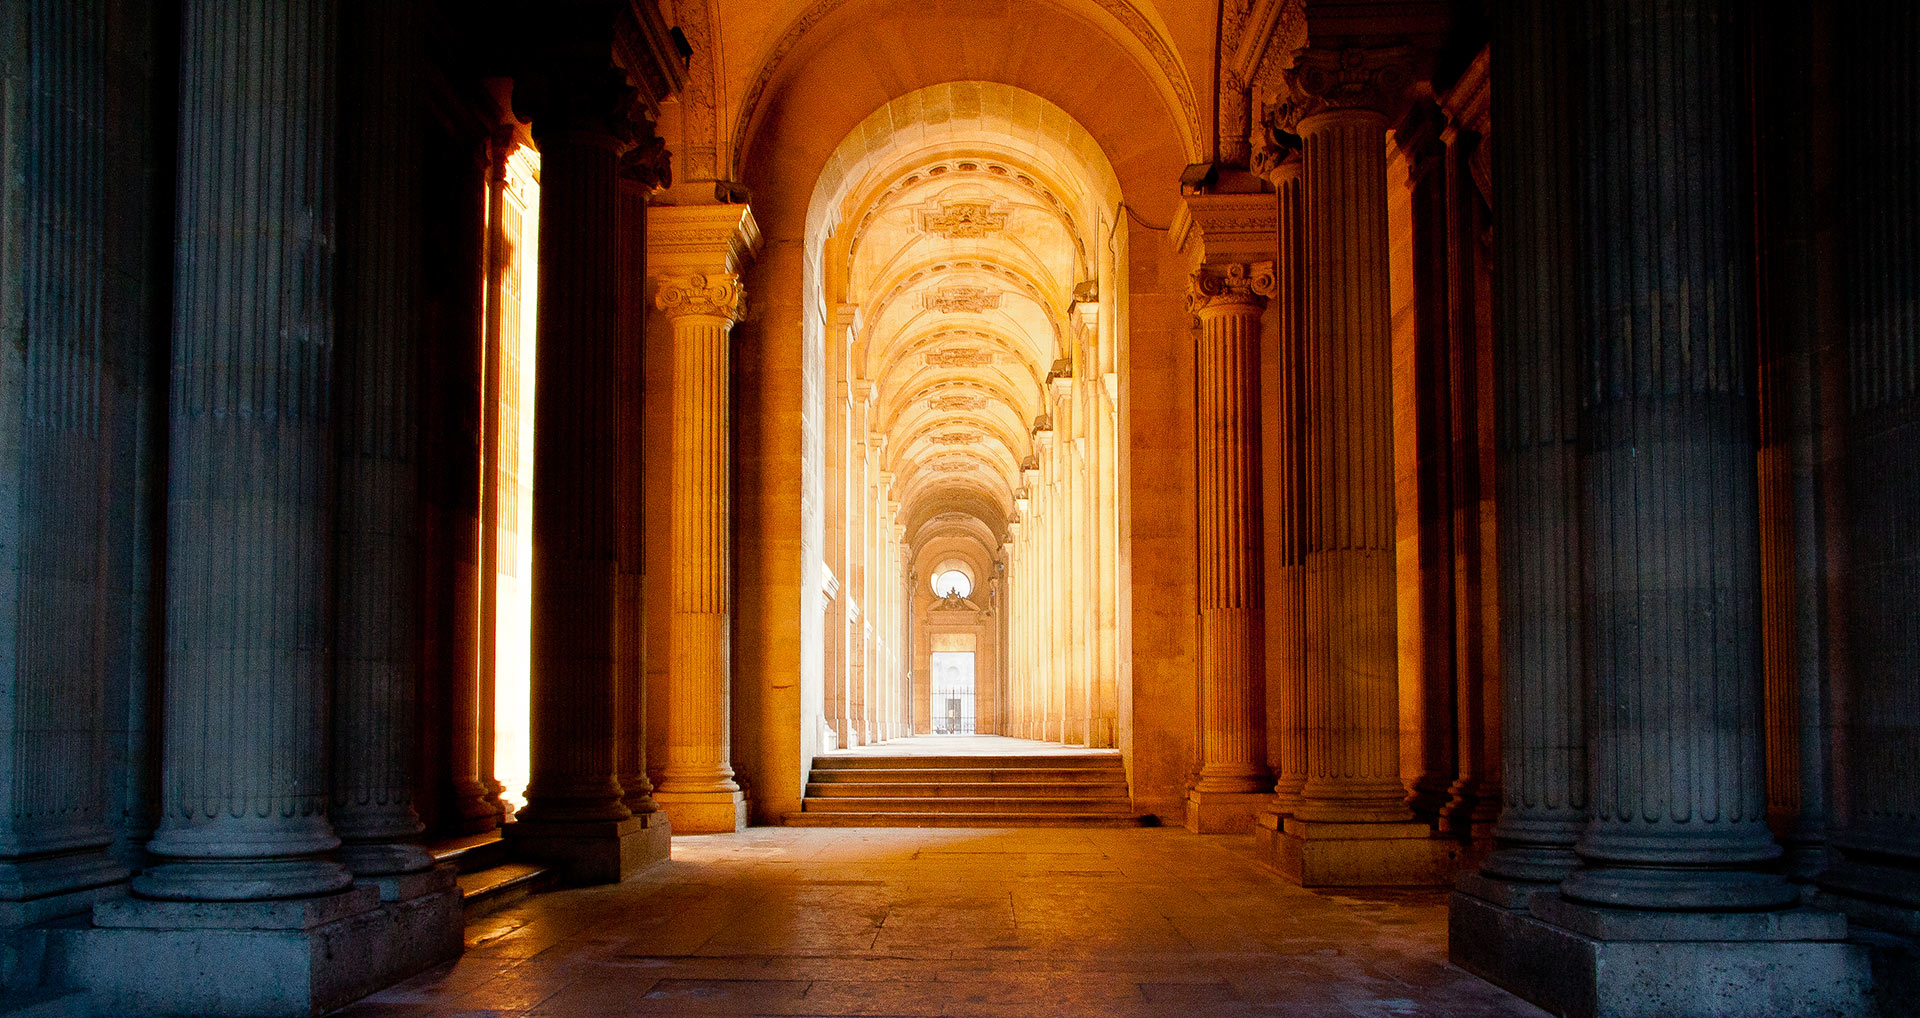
(1224, 812)
(264, 959)
(1582, 961)
(592, 851)
(1317, 854)
(704, 812)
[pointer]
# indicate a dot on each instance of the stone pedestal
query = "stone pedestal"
(1322, 854)
(263, 959)
(593, 851)
(715, 812)
(1593, 962)
(1224, 812)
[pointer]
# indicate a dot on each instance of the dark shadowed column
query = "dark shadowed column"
(586, 113)
(249, 531)
(643, 169)
(1670, 577)
(376, 651)
(1537, 340)
(55, 450)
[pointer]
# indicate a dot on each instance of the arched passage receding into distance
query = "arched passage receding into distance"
(829, 140)
(962, 236)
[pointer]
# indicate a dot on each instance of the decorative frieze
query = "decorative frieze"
(960, 299)
(963, 219)
(959, 357)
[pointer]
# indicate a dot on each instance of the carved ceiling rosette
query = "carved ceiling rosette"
(718, 294)
(1380, 79)
(1236, 284)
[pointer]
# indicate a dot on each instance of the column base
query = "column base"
(263, 959)
(1224, 812)
(704, 812)
(592, 851)
(1581, 961)
(1317, 854)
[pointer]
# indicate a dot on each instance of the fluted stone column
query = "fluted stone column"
(1677, 798)
(643, 169)
(697, 785)
(1673, 909)
(1281, 409)
(55, 446)
(575, 815)
(1537, 338)
(1351, 824)
(697, 253)
(1234, 778)
(249, 527)
(1875, 414)
(376, 643)
(244, 841)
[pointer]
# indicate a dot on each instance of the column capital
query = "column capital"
(1278, 155)
(1324, 79)
(648, 163)
(719, 295)
(1234, 286)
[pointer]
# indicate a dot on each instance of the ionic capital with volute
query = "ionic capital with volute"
(717, 295)
(1234, 286)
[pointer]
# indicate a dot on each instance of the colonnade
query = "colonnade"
(868, 683)
(1060, 556)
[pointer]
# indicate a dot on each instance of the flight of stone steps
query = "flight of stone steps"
(1042, 790)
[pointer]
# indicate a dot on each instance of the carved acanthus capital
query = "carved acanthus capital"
(716, 294)
(1276, 145)
(1220, 287)
(1380, 79)
(648, 163)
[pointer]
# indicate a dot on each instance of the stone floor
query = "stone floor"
(1057, 923)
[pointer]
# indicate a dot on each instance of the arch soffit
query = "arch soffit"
(1141, 34)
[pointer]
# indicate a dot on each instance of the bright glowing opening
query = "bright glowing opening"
(953, 712)
(513, 456)
(952, 583)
